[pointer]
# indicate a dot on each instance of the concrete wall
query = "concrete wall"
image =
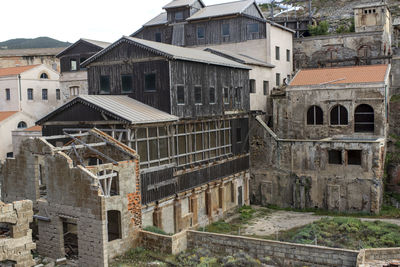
(74, 79)
(288, 254)
(258, 100)
(19, 136)
(198, 207)
(18, 244)
(377, 254)
(163, 243)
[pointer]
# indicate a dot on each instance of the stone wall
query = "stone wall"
(16, 244)
(287, 253)
(163, 243)
(378, 254)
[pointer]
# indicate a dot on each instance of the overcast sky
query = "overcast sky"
(69, 20)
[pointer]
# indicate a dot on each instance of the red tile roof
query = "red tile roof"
(36, 128)
(5, 114)
(354, 74)
(15, 70)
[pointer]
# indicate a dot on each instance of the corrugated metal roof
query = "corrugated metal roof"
(173, 52)
(158, 20)
(222, 9)
(240, 57)
(181, 3)
(123, 107)
(15, 70)
(31, 52)
(341, 75)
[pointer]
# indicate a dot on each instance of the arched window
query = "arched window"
(315, 116)
(364, 119)
(21, 125)
(44, 76)
(339, 115)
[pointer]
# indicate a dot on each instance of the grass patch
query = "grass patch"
(342, 232)
(155, 229)
(141, 257)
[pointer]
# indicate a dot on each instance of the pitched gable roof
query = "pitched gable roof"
(122, 107)
(6, 114)
(225, 9)
(341, 75)
(172, 52)
(98, 44)
(158, 20)
(182, 3)
(240, 57)
(15, 70)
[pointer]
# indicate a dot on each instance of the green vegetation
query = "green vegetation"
(40, 42)
(321, 29)
(395, 99)
(341, 232)
(141, 257)
(155, 229)
(345, 28)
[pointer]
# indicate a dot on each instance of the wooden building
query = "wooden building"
(73, 78)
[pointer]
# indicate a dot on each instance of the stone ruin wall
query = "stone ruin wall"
(15, 235)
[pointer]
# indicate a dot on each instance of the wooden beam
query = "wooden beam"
(65, 136)
(79, 146)
(110, 175)
(83, 123)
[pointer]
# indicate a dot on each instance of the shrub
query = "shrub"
(321, 29)
(155, 229)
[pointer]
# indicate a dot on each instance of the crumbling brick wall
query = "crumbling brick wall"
(16, 243)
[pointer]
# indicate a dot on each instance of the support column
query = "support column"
(246, 190)
(209, 202)
(177, 215)
(157, 218)
(194, 200)
(221, 191)
(235, 192)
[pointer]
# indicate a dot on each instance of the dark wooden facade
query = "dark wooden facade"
(128, 59)
(79, 52)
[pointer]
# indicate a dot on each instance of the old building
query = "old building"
(11, 121)
(73, 78)
(10, 58)
(327, 146)
(30, 92)
(371, 43)
(86, 193)
(15, 236)
(238, 30)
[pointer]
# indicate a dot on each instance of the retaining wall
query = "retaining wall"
(164, 243)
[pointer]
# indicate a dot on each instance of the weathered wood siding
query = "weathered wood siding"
(253, 11)
(171, 14)
(191, 74)
(238, 31)
(242, 146)
(149, 33)
(117, 62)
(162, 184)
(81, 50)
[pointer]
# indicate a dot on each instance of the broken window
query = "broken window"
(114, 225)
(212, 95)
(127, 83)
(198, 98)
(114, 190)
(42, 183)
(364, 119)
(226, 95)
(252, 86)
(150, 82)
(315, 116)
(70, 234)
(339, 115)
(5, 231)
(354, 157)
(105, 86)
(335, 157)
(180, 90)
(58, 94)
(93, 161)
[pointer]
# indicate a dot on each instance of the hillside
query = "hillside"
(40, 42)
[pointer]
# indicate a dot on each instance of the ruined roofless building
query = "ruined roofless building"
(86, 194)
(328, 143)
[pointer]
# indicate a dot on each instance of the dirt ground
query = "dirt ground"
(277, 221)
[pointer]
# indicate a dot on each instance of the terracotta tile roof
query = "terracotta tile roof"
(36, 128)
(15, 70)
(342, 75)
(5, 114)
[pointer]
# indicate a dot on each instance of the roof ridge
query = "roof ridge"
(344, 67)
(228, 3)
